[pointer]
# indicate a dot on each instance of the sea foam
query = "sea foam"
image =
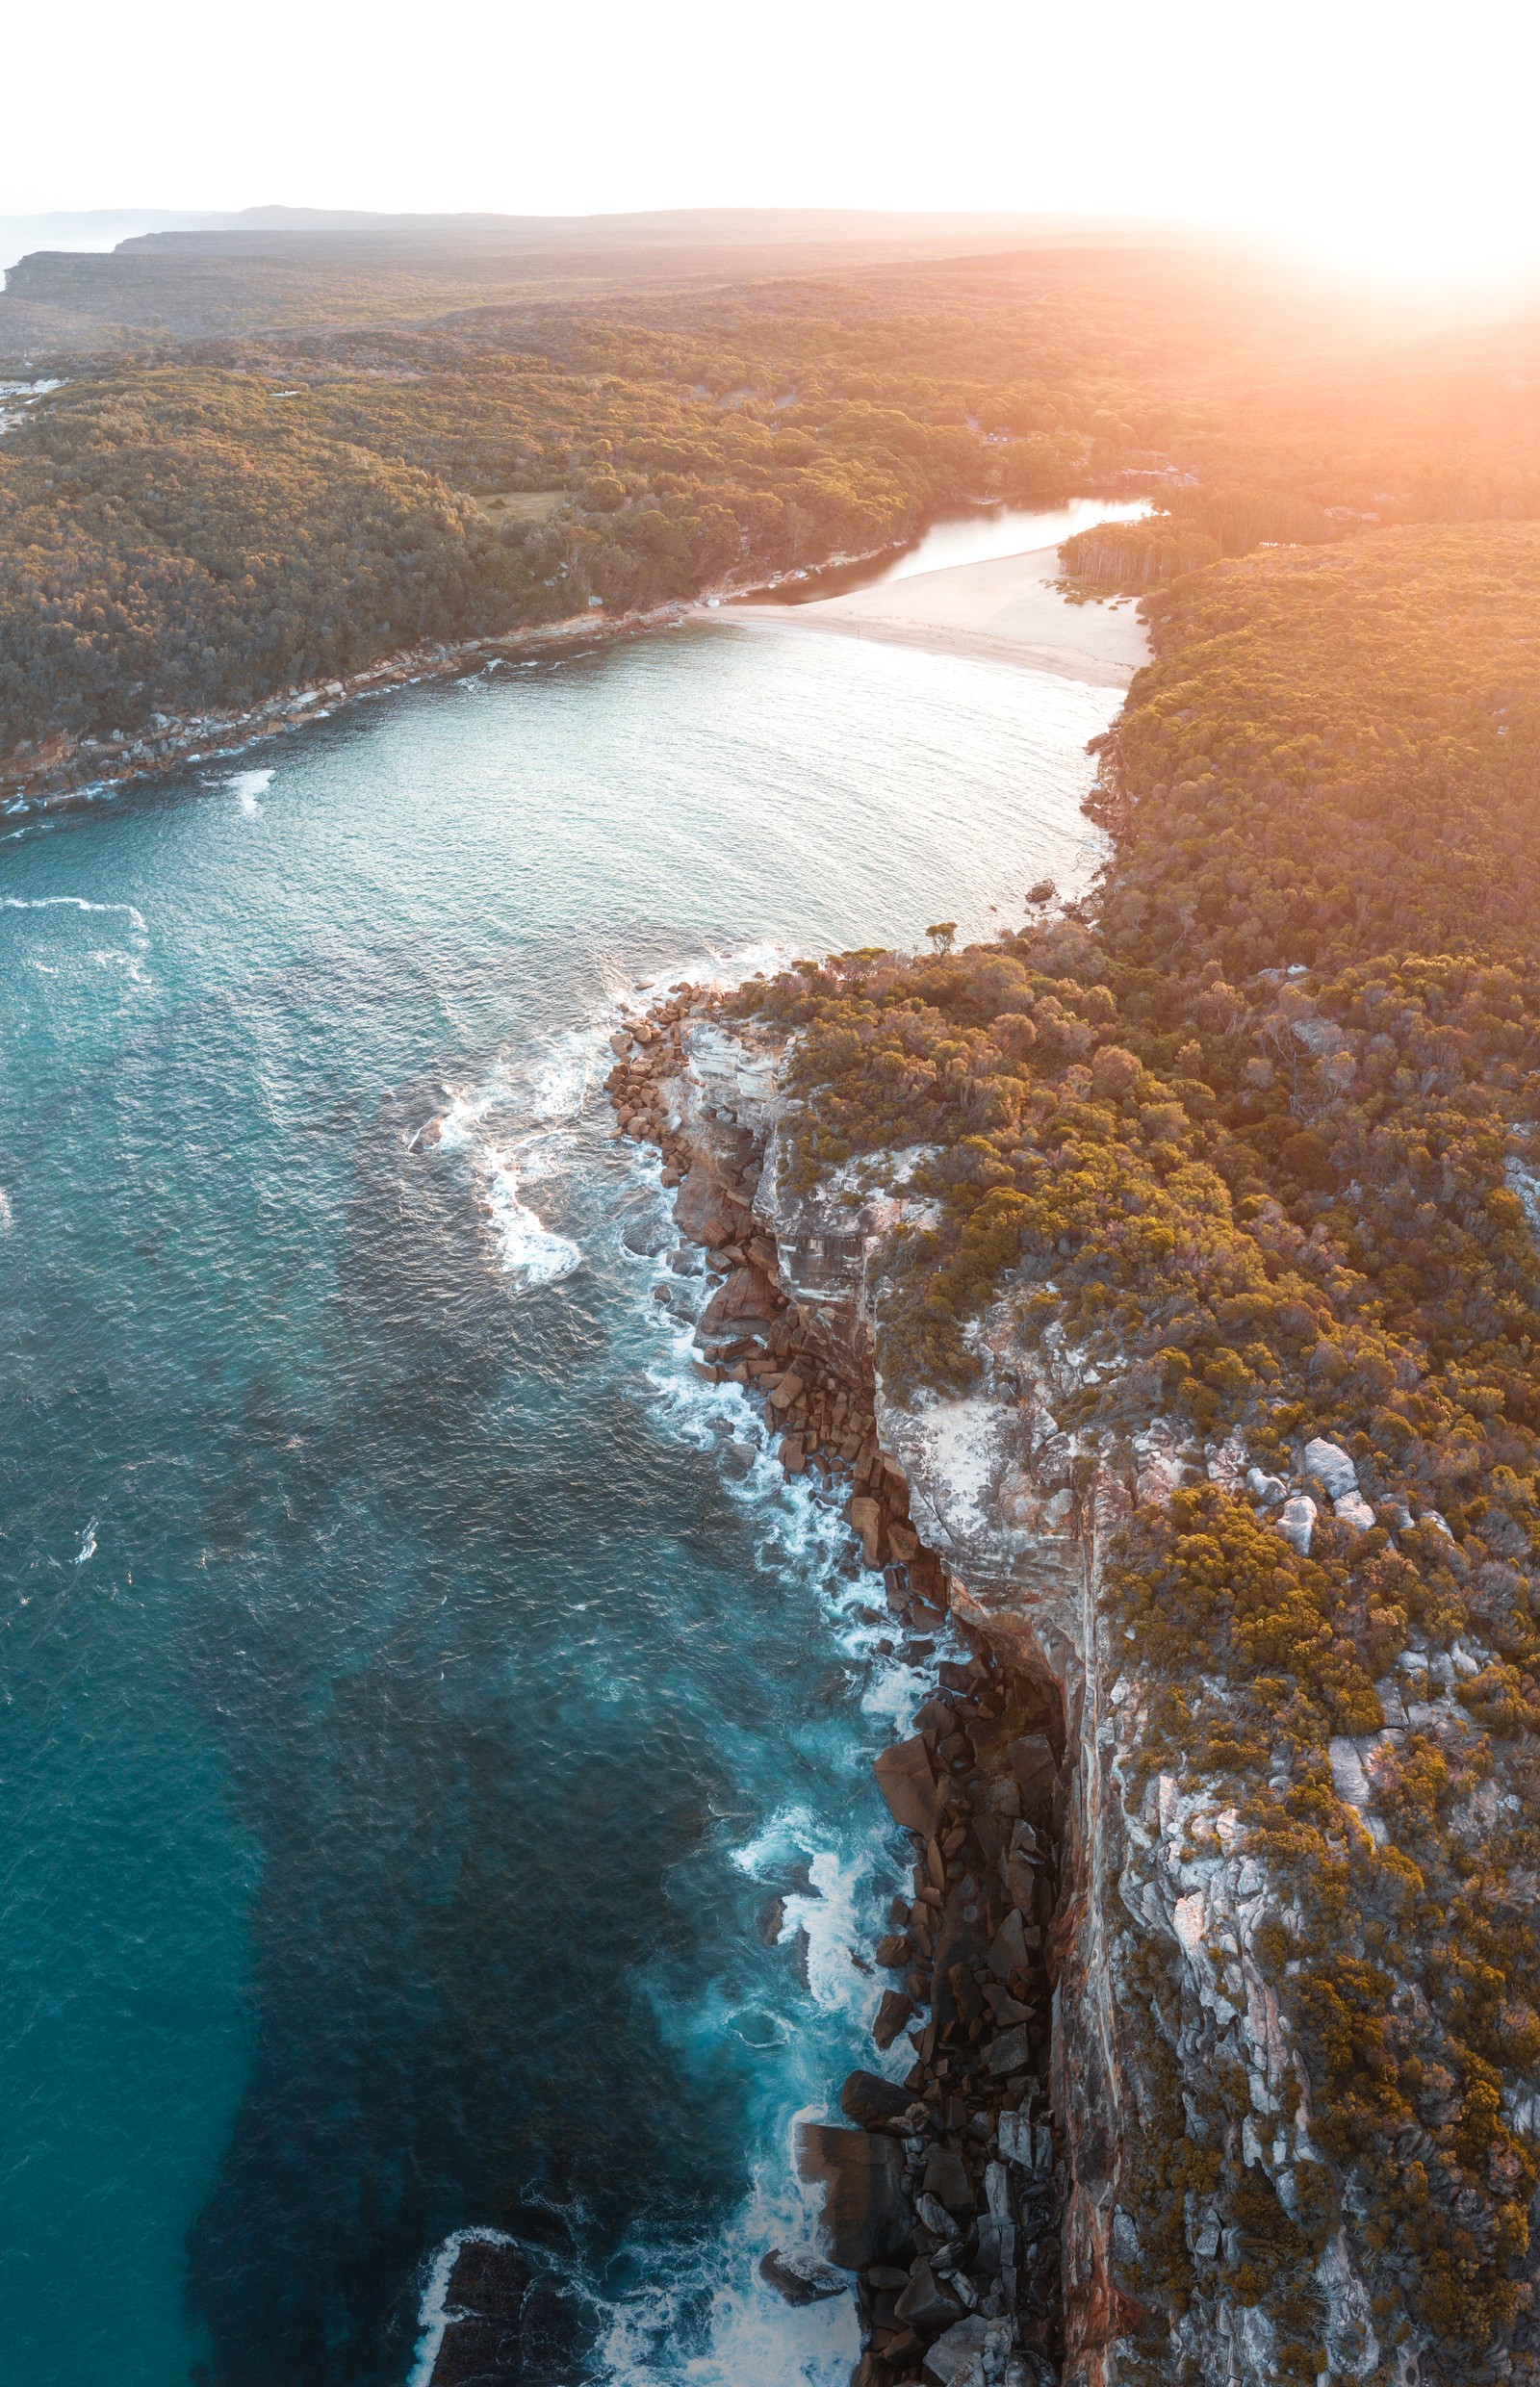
(435, 2313)
(247, 787)
(72, 903)
(700, 2314)
(515, 1131)
(704, 2317)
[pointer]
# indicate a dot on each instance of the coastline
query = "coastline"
(1005, 610)
(941, 2175)
(67, 774)
(942, 2185)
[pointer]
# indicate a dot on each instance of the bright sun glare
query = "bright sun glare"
(1393, 142)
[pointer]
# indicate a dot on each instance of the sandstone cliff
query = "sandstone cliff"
(1208, 2234)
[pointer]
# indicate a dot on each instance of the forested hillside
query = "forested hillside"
(218, 519)
(195, 533)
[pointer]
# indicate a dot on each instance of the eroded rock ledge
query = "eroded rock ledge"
(943, 2190)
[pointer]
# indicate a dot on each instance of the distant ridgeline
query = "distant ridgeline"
(1251, 1140)
(281, 463)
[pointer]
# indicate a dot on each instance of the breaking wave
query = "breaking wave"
(435, 2311)
(73, 903)
(518, 1131)
(705, 2318)
(247, 789)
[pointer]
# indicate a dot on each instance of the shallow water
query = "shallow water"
(407, 1719)
(978, 536)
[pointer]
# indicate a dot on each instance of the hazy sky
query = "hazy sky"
(1379, 132)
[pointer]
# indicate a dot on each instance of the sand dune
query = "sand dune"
(1006, 609)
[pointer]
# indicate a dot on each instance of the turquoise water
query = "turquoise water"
(408, 1717)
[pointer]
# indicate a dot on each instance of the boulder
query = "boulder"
(996, 2247)
(1008, 1949)
(701, 1208)
(956, 2359)
(925, 2303)
(904, 1778)
(499, 2323)
(1015, 2134)
(865, 2215)
(1021, 1881)
(801, 2276)
(1011, 2052)
(1028, 2144)
(928, 1588)
(1296, 1521)
(1329, 1461)
(1353, 1511)
(745, 1294)
(892, 2014)
(867, 2100)
(1032, 1762)
(866, 1517)
(788, 1391)
(1269, 1489)
(947, 2176)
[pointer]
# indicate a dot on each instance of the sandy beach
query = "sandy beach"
(1006, 609)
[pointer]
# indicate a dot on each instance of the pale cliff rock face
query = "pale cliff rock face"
(1022, 1517)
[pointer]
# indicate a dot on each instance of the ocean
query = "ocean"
(435, 1741)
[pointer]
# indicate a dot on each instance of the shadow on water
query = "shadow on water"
(449, 2025)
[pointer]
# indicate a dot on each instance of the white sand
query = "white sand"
(1006, 609)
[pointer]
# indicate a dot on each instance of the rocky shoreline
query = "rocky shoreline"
(1084, 1960)
(942, 2192)
(63, 773)
(1078, 1960)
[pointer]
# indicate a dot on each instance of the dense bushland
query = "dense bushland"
(201, 531)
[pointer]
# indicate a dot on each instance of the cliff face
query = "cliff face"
(1165, 2027)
